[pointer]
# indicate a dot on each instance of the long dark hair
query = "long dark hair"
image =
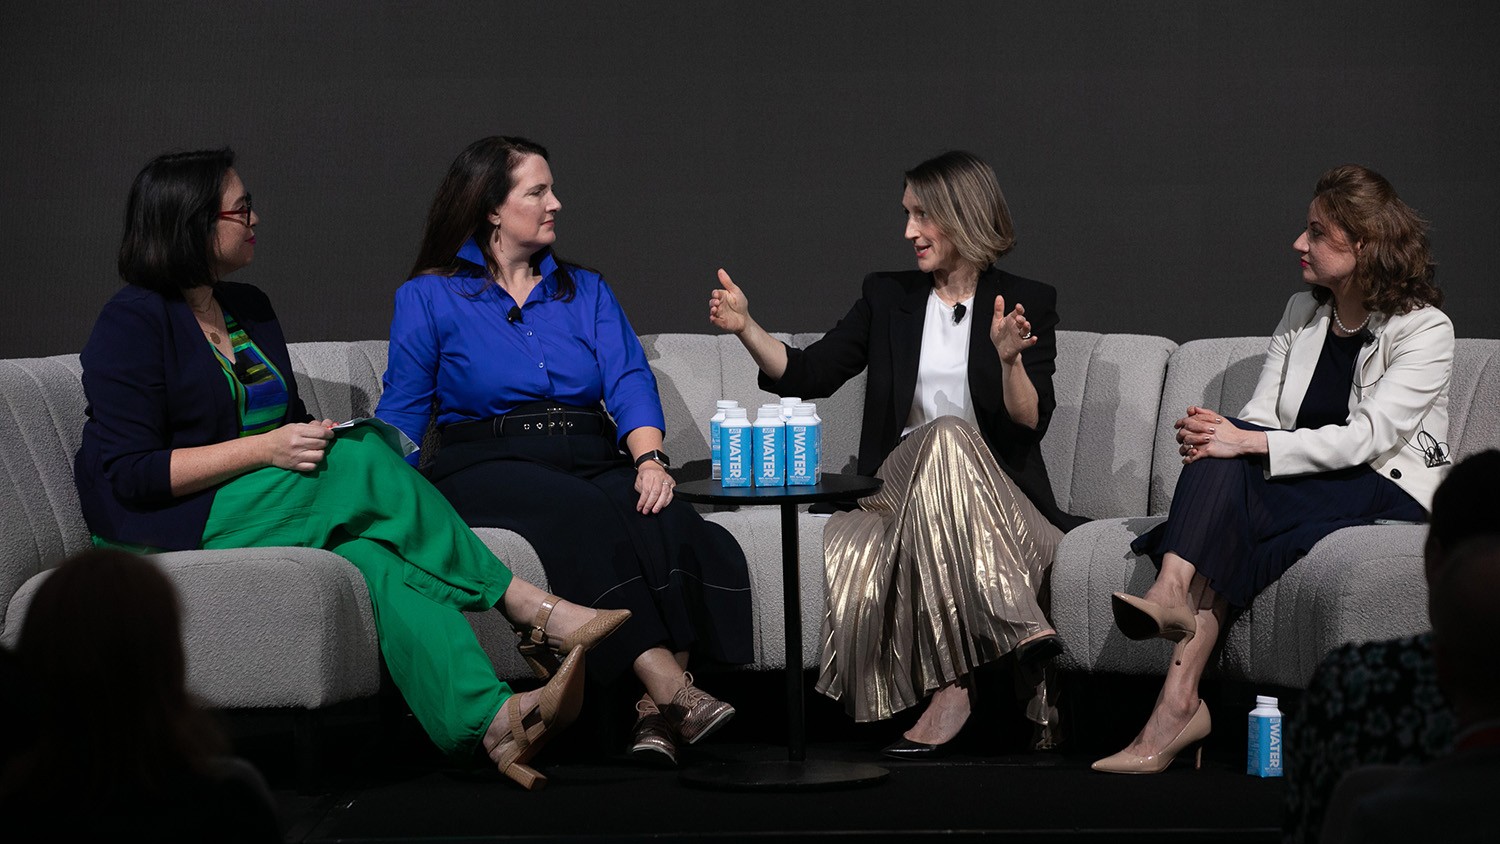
(170, 219)
(478, 182)
(103, 635)
(1394, 267)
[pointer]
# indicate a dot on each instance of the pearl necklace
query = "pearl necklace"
(1346, 329)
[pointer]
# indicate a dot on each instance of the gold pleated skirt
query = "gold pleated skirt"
(933, 576)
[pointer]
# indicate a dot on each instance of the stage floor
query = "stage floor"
(384, 782)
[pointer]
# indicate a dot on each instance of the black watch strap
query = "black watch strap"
(655, 454)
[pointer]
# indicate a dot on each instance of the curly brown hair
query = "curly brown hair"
(1394, 265)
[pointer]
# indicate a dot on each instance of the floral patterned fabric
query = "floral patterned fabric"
(1370, 703)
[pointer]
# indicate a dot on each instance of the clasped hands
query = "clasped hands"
(1206, 433)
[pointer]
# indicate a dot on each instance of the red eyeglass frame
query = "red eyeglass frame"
(239, 215)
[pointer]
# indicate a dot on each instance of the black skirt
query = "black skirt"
(573, 499)
(1242, 531)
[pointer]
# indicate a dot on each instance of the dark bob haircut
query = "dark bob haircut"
(170, 219)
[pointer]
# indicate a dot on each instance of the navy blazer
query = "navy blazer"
(154, 384)
(883, 332)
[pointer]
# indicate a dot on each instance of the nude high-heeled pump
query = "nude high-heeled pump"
(526, 731)
(1139, 618)
(544, 658)
(1194, 732)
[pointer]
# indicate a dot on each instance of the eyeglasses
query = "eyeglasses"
(239, 215)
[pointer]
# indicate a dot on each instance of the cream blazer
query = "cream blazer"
(1400, 391)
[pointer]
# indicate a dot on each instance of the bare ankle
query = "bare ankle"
(1166, 594)
(566, 618)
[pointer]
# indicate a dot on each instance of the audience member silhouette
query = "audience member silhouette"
(1381, 703)
(118, 748)
(1453, 798)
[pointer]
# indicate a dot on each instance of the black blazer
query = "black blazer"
(883, 332)
(154, 384)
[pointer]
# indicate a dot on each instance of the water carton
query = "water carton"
(1264, 755)
(716, 467)
(804, 446)
(770, 446)
(736, 448)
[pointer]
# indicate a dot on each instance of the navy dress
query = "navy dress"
(1242, 531)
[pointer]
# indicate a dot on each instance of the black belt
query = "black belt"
(529, 421)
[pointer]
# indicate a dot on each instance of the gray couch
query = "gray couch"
(292, 628)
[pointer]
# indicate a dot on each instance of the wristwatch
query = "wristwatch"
(655, 454)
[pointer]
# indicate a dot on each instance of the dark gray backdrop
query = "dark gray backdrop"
(1157, 156)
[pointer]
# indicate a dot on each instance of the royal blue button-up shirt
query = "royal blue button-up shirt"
(451, 339)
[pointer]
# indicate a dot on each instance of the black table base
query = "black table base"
(797, 773)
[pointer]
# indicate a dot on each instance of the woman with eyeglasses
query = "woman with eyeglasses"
(550, 425)
(196, 438)
(942, 570)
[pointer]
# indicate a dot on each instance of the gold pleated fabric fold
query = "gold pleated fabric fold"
(933, 576)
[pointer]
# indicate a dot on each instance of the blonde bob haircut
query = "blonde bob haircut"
(959, 192)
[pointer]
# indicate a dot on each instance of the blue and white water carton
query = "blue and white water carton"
(736, 448)
(1263, 758)
(716, 467)
(804, 446)
(770, 446)
(788, 404)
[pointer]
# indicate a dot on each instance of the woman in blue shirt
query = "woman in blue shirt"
(549, 425)
(196, 438)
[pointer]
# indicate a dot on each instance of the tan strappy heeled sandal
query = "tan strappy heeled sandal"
(527, 731)
(544, 658)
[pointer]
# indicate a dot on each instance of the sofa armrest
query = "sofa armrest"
(266, 627)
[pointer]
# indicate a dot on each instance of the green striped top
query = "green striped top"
(259, 390)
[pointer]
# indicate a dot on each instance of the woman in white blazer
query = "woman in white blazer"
(1347, 426)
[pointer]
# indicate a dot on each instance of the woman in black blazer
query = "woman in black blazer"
(939, 572)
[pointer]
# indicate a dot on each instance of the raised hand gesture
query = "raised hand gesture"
(1011, 333)
(727, 307)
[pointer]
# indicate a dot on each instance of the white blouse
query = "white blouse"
(943, 367)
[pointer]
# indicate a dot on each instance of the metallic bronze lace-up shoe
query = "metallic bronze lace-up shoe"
(694, 713)
(651, 739)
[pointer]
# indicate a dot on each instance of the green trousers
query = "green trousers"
(422, 564)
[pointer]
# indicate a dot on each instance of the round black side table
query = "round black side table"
(798, 773)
